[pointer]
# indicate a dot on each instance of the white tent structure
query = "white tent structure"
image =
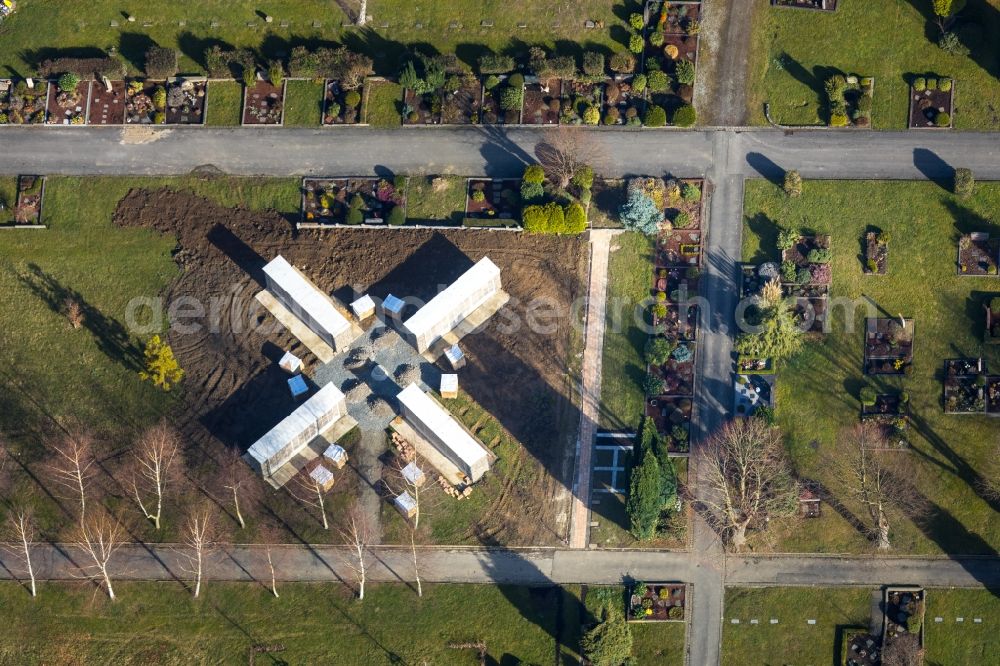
(449, 308)
(287, 439)
(436, 424)
(316, 310)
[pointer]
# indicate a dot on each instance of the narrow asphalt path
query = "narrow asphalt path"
(492, 151)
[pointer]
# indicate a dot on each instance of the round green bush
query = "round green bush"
(655, 116)
(491, 82)
(352, 98)
(612, 116)
(159, 118)
(591, 116)
(397, 216)
(658, 81)
(68, 82)
(932, 84)
(639, 84)
(635, 20)
(656, 39)
(682, 221)
(636, 44)
(944, 85)
(413, 117)
(160, 98)
(685, 116)
(516, 81)
(920, 84)
(942, 120)
(534, 173)
(354, 216)
(839, 120)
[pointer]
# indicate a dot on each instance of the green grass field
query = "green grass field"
(924, 221)
(966, 643)
(159, 623)
(382, 103)
(225, 103)
(792, 641)
(8, 197)
(660, 643)
(629, 279)
(42, 29)
(794, 51)
(303, 104)
(425, 205)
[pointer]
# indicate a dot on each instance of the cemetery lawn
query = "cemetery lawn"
(382, 104)
(225, 103)
(303, 103)
(793, 640)
(41, 28)
(87, 376)
(794, 51)
(446, 205)
(660, 643)
(965, 643)
(817, 390)
(630, 274)
(161, 623)
(8, 197)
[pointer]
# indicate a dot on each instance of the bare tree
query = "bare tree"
(876, 478)
(200, 539)
(744, 477)
(565, 151)
(73, 467)
(399, 480)
(269, 537)
(153, 470)
(356, 531)
(98, 536)
(241, 487)
(310, 491)
(21, 526)
(903, 650)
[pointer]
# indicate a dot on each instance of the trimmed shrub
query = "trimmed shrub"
(478, 196)
(819, 256)
(511, 99)
(965, 182)
(357, 202)
(622, 62)
(68, 82)
(534, 173)
(803, 276)
(576, 219)
(920, 84)
(612, 116)
(942, 119)
(584, 177)
(656, 39)
(658, 81)
(159, 118)
(161, 63)
(354, 216)
(788, 271)
(655, 116)
(839, 120)
(636, 44)
(691, 192)
(685, 72)
(639, 84)
(548, 218)
(494, 63)
(352, 98)
(793, 183)
(515, 80)
(685, 116)
(944, 85)
(932, 83)
(635, 20)
(531, 191)
(593, 63)
(397, 216)
(160, 98)
(591, 116)
(671, 51)
(682, 221)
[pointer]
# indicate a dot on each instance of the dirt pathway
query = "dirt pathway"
(369, 468)
(597, 298)
(723, 54)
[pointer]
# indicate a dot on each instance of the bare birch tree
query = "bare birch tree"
(876, 478)
(744, 477)
(269, 538)
(565, 150)
(98, 537)
(239, 484)
(310, 492)
(153, 470)
(73, 467)
(396, 482)
(21, 527)
(200, 539)
(356, 531)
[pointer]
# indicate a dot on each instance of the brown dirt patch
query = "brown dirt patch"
(234, 391)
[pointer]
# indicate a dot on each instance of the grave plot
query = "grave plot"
(876, 252)
(904, 614)
(672, 416)
(186, 100)
(818, 5)
(671, 53)
(141, 103)
(965, 385)
(107, 105)
(681, 244)
(612, 466)
(264, 104)
(341, 106)
(21, 105)
(810, 304)
(978, 254)
(581, 103)
(28, 208)
(753, 391)
(888, 346)
(421, 109)
(849, 98)
(861, 647)
(622, 106)
(657, 602)
(502, 101)
(993, 395)
(677, 373)
(351, 201)
(542, 103)
(68, 107)
(492, 202)
(890, 412)
(807, 261)
(463, 106)
(932, 103)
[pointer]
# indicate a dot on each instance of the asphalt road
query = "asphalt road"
(493, 151)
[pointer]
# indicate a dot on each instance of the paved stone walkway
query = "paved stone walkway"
(590, 392)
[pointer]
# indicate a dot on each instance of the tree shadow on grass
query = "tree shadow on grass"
(766, 230)
(133, 47)
(968, 221)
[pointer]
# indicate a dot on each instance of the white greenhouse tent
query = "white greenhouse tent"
(304, 299)
(436, 424)
(285, 440)
(449, 308)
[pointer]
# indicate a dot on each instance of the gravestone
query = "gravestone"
(486, 23)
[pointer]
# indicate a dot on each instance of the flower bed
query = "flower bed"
(888, 346)
(462, 106)
(965, 384)
(21, 105)
(68, 107)
(752, 365)
(107, 107)
(678, 372)
(186, 101)
(581, 103)
(978, 254)
(493, 199)
(890, 412)
(807, 261)
(542, 103)
(657, 602)
(876, 253)
(672, 416)
(341, 106)
(670, 53)
(140, 107)
(850, 99)
(421, 109)
(264, 104)
(28, 208)
(353, 201)
(904, 613)
(622, 106)
(932, 103)
(493, 111)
